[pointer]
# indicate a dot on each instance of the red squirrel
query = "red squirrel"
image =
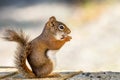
(39, 50)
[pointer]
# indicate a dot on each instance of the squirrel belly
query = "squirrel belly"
(41, 51)
(52, 56)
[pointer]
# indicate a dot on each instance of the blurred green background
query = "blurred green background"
(95, 26)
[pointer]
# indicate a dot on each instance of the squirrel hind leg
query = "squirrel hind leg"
(44, 70)
(55, 75)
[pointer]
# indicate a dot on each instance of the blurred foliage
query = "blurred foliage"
(89, 1)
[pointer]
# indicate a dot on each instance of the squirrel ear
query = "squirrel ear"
(51, 22)
(52, 19)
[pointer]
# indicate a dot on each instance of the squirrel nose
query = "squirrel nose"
(68, 32)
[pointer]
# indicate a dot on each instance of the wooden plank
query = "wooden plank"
(11, 73)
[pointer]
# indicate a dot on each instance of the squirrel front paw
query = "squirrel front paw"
(68, 38)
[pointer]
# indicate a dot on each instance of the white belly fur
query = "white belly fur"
(58, 35)
(52, 56)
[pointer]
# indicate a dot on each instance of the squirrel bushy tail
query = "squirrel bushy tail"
(22, 52)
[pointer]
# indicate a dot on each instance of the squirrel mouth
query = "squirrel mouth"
(63, 36)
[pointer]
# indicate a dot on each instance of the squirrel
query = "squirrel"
(39, 50)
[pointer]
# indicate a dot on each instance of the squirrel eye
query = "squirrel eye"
(61, 27)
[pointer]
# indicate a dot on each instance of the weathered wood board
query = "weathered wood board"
(10, 73)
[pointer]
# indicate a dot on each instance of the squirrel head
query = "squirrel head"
(57, 28)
